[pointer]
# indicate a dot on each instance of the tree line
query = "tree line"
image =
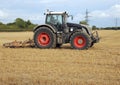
(18, 25)
(22, 25)
(98, 28)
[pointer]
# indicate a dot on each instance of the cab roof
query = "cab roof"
(51, 12)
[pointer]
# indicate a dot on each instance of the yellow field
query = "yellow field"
(99, 65)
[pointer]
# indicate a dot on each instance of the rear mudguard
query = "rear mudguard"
(46, 25)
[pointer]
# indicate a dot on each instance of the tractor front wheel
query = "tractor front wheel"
(80, 40)
(44, 38)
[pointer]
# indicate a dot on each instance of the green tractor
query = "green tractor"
(57, 31)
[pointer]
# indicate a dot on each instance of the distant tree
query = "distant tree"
(28, 22)
(1, 23)
(94, 27)
(118, 28)
(20, 23)
(9, 24)
(84, 22)
(31, 26)
(3, 26)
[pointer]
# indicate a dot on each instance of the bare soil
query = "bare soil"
(99, 65)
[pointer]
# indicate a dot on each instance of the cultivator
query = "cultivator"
(18, 44)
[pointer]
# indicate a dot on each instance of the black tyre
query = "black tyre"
(44, 38)
(58, 45)
(80, 40)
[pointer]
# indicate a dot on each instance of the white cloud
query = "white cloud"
(3, 14)
(99, 14)
(113, 11)
(7, 16)
(78, 17)
(110, 13)
(117, 6)
(52, 1)
(34, 17)
(97, 17)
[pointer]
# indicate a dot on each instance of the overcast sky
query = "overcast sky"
(103, 12)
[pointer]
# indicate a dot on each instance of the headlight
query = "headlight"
(71, 29)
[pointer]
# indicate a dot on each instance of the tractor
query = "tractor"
(57, 31)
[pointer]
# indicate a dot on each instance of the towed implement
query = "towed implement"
(18, 44)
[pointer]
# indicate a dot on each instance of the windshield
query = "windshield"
(54, 19)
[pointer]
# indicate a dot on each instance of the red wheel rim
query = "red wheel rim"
(79, 41)
(43, 39)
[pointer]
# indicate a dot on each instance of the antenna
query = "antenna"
(47, 10)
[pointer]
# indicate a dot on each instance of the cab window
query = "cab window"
(54, 19)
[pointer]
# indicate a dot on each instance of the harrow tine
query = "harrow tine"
(19, 44)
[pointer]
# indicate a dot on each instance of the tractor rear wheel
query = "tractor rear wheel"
(44, 38)
(80, 40)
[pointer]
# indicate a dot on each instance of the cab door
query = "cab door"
(55, 20)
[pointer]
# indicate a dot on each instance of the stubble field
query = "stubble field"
(99, 65)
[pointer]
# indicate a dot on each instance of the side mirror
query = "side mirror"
(44, 13)
(71, 17)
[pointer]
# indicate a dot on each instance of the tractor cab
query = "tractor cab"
(57, 19)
